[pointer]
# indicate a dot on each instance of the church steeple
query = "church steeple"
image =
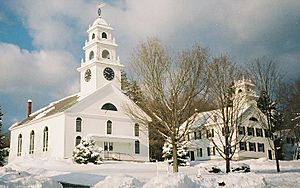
(245, 90)
(101, 65)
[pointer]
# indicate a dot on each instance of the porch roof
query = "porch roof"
(98, 137)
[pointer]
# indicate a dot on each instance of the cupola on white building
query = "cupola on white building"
(97, 112)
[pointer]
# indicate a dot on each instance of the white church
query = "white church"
(97, 111)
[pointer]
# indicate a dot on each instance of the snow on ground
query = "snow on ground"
(110, 174)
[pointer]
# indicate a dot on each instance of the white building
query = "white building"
(98, 111)
(250, 134)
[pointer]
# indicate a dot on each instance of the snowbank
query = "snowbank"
(12, 178)
(46, 173)
(119, 181)
(177, 180)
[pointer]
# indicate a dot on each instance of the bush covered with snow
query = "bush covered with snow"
(87, 152)
(182, 153)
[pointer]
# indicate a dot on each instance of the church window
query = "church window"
(45, 139)
(108, 127)
(105, 54)
(78, 124)
(78, 140)
(93, 35)
(111, 146)
(91, 56)
(104, 35)
(137, 147)
(240, 91)
(19, 145)
(109, 106)
(31, 143)
(108, 146)
(136, 130)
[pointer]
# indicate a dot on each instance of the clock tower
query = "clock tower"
(100, 65)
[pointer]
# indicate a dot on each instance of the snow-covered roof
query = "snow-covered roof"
(214, 116)
(53, 108)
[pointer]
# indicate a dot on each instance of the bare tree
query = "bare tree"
(268, 77)
(225, 121)
(171, 88)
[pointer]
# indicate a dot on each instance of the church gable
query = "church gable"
(105, 101)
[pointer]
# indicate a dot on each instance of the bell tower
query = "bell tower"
(100, 65)
(245, 91)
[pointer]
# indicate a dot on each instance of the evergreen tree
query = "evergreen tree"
(182, 153)
(2, 150)
(131, 88)
(87, 152)
(274, 120)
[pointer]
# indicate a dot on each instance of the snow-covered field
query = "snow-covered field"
(113, 174)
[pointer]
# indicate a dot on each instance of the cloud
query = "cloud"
(28, 73)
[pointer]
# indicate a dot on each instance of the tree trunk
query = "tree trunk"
(276, 158)
(227, 165)
(175, 161)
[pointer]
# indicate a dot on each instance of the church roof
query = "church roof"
(100, 21)
(76, 100)
(51, 109)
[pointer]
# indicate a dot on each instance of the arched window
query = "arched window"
(253, 119)
(136, 130)
(105, 54)
(108, 127)
(45, 139)
(109, 106)
(78, 124)
(19, 145)
(31, 143)
(93, 35)
(91, 56)
(78, 140)
(240, 91)
(104, 35)
(137, 147)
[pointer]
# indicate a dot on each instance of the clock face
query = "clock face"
(87, 75)
(108, 74)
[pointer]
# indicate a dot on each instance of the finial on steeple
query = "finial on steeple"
(99, 8)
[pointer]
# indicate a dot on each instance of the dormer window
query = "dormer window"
(109, 106)
(104, 35)
(93, 35)
(105, 54)
(253, 119)
(91, 56)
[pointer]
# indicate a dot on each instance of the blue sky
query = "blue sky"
(41, 42)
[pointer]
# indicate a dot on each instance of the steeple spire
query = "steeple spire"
(99, 8)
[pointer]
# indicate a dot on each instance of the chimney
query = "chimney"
(29, 107)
